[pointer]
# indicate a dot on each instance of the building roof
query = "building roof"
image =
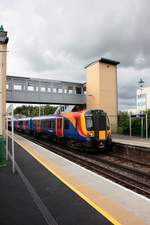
(104, 60)
(42, 80)
(1, 28)
(3, 36)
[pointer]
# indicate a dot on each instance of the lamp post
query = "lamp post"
(141, 84)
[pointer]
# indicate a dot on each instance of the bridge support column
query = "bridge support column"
(3, 54)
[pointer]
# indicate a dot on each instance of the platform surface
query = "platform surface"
(130, 140)
(119, 205)
(17, 206)
(64, 206)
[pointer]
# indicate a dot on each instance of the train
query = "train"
(85, 129)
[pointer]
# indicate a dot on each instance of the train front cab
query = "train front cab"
(98, 129)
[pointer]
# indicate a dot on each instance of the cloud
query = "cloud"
(56, 39)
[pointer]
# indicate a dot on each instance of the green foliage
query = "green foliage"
(123, 123)
(34, 110)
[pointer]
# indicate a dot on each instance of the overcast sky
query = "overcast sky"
(56, 39)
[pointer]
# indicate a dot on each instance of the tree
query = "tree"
(33, 110)
(123, 123)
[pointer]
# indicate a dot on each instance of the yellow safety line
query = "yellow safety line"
(90, 202)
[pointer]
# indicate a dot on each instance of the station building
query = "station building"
(143, 98)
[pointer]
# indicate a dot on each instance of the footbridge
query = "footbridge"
(44, 91)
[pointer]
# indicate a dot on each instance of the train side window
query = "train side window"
(47, 124)
(39, 124)
(53, 124)
(33, 123)
(66, 124)
(42, 124)
(61, 123)
(58, 123)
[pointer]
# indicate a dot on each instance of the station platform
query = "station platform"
(130, 140)
(74, 195)
(17, 206)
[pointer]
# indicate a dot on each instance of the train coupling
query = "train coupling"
(101, 145)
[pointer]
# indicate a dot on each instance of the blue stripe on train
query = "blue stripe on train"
(72, 133)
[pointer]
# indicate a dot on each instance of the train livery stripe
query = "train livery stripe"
(70, 118)
(41, 160)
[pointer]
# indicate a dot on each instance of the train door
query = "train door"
(59, 127)
(24, 125)
(38, 126)
(17, 124)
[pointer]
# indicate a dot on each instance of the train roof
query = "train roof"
(38, 118)
(82, 111)
(43, 117)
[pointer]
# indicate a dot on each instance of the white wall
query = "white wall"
(145, 92)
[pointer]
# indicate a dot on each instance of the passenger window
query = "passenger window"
(57, 123)
(66, 124)
(60, 123)
(47, 124)
(53, 124)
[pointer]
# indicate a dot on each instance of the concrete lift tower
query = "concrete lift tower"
(3, 56)
(101, 88)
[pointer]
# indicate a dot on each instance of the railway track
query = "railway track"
(129, 173)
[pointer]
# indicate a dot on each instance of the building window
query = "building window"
(142, 101)
(78, 90)
(54, 90)
(17, 87)
(60, 90)
(43, 89)
(49, 89)
(30, 88)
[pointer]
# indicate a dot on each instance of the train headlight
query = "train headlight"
(91, 134)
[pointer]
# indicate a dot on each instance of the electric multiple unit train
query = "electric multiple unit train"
(87, 129)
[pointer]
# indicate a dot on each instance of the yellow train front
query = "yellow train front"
(88, 128)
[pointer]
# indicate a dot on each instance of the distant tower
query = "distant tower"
(3, 55)
(141, 97)
(101, 88)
